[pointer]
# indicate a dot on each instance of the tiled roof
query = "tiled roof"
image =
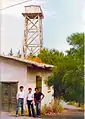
(41, 65)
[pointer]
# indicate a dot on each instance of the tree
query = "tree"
(18, 54)
(11, 52)
(76, 89)
(62, 63)
(67, 79)
(53, 57)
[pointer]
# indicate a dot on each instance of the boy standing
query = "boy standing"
(30, 98)
(20, 101)
(38, 96)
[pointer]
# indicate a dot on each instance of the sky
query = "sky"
(61, 19)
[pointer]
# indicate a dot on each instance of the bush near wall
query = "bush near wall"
(52, 109)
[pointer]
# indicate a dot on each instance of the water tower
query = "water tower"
(33, 39)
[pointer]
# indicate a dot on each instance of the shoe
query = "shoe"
(16, 115)
(34, 116)
(39, 116)
(22, 114)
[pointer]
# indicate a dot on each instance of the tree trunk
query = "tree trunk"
(55, 93)
(79, 104)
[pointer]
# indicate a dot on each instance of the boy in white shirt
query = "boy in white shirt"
(29, 99)
(20, 101)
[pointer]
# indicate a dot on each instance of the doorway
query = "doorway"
(8, 96)
(39, 83)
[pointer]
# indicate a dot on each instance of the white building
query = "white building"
(15, 72)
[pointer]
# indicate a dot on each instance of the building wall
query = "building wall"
(15, 71)
(31, 77)
(12, 71)
(48, 95)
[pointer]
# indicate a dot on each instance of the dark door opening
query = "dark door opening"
(8, 96)
(39, 83)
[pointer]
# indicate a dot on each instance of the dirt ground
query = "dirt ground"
(71, 114)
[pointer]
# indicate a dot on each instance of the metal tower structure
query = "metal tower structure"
(33, 39)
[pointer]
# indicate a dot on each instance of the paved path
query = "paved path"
(70, 115)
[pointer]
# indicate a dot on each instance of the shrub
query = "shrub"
(43, 112)
(58, 107)
(73, 103)
(54, 108)
(82, 107)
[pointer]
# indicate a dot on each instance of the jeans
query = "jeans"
(30, 107)
(20, 104)
(38, 108)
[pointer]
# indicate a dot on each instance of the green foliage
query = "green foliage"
(76, 40)
(73, 103)
(50, 56)
(68, 75)
(75, 77)
(18, 54)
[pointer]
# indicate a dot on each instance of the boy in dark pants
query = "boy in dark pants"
(30, 98)
(20, 101)
(38, 99)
